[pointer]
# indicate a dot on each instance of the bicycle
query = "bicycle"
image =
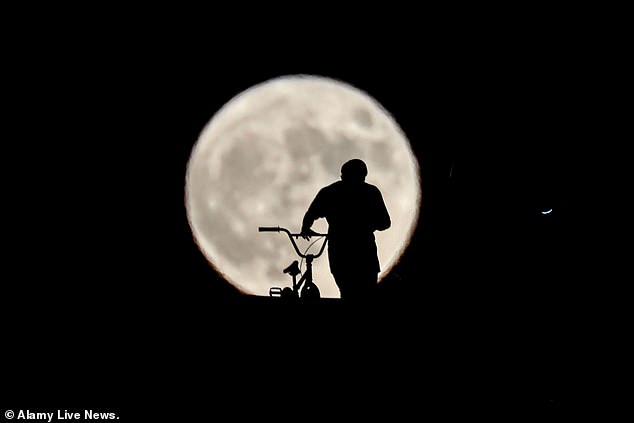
(305, 288)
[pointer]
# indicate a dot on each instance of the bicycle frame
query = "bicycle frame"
(307, 277)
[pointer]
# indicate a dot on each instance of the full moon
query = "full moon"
(262, 158)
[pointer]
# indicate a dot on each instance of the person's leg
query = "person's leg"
(343, 283)
(360, 286)
(367, 284)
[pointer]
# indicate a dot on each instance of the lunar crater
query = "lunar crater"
(363, 118)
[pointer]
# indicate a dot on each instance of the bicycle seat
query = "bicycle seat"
(293, 269)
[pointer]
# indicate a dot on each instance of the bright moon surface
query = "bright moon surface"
(263, 157)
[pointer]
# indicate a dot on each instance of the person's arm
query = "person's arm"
(313, 213)
(382, 217)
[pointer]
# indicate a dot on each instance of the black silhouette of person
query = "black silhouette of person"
(353, 209)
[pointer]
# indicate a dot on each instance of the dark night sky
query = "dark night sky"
(110, 283)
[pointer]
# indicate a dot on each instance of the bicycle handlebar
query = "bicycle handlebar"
(269, 229)
(291, 235)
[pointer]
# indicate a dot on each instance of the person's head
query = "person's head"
(354, 170)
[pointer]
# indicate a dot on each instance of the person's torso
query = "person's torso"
(350, 212)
